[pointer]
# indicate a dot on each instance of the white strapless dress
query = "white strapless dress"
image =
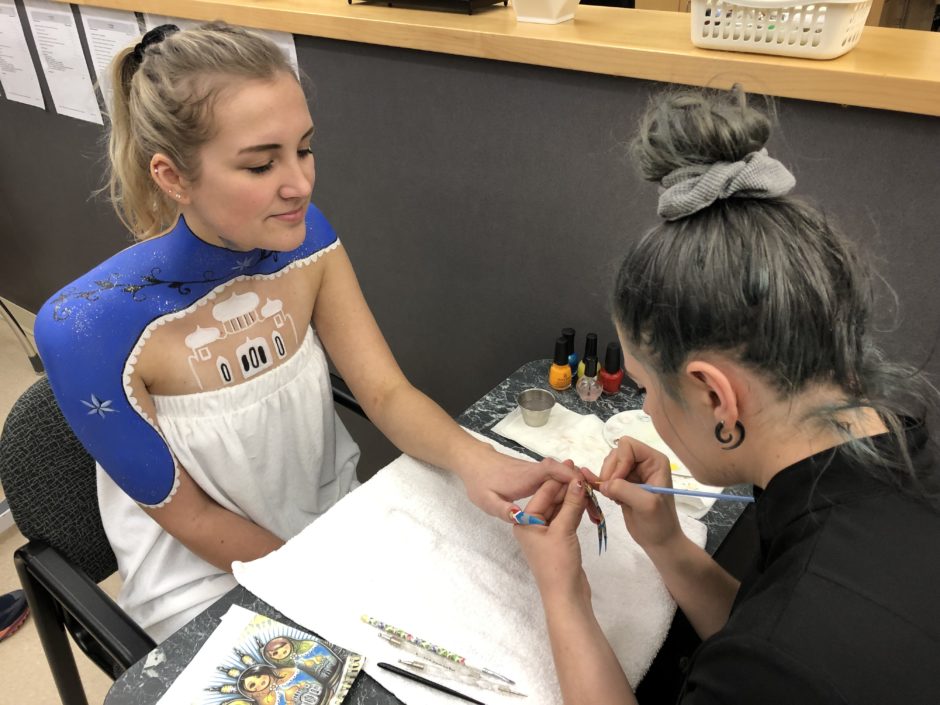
(270, 449)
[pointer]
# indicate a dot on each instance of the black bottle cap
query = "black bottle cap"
(568, 334)
(612, 360)
(590, 366)
(561, 351)
(590, 346)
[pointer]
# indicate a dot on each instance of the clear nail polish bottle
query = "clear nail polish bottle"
(588, 388)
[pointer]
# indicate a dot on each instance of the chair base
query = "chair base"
(64, 601)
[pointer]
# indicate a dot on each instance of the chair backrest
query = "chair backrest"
(49, 482)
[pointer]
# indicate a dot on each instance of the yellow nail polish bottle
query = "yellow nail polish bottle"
(559, 376)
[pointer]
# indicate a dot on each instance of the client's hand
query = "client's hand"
(553, 552)
(499, 480)
(650, 518)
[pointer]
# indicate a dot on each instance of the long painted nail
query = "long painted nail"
(523, 519)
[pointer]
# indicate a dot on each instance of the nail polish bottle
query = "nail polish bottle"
(590, 350)
(568, 334)
(611, 376)
(589, 389)
(559, 376)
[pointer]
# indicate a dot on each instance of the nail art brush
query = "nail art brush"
(429, 683)
(656, 489)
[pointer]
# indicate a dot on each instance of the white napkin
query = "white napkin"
(566, 435)
(587, 440)
(409, 548)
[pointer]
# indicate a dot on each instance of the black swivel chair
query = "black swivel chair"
(49, 482)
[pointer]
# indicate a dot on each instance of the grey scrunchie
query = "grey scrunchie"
(689, 189)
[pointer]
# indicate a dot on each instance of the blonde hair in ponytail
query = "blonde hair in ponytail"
(163, 104)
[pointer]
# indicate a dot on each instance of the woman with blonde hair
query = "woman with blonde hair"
(191, 365)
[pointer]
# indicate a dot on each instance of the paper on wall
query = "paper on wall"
(152, 21)
(17, 73)
(62, 59)
(107, 32)
(283, 40)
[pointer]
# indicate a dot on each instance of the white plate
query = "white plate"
(637, 424)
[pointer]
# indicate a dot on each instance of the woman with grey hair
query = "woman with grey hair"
(748, 321)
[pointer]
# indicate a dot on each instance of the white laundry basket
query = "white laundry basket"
(821, 30)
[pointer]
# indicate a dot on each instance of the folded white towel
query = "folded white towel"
(409, 548)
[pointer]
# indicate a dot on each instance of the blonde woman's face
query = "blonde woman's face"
(257, 172)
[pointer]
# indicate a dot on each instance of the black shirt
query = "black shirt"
(844, 605)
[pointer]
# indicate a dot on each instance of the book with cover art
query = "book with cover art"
(251, 659)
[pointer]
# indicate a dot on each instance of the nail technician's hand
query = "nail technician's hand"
(497, 483)
(651, 518)
(553, 552)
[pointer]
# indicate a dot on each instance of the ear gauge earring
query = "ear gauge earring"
(727, 441)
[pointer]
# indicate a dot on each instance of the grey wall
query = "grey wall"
(485, 204)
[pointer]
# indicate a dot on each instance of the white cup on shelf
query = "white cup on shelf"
(544, 11)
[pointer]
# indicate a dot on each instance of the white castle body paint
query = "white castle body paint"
(264, 339)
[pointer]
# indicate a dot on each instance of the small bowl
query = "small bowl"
(536, 406)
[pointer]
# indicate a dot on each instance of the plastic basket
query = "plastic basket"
(822, 30)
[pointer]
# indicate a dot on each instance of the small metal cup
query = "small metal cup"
(536, 406)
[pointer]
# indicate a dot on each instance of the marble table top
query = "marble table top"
(146, 681)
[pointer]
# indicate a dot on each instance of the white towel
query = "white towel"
(410, 549)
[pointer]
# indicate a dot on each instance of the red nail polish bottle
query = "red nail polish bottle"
(611, 375)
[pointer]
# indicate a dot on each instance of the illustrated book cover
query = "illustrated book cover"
(251, 659)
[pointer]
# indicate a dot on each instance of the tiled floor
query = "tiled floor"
(22, 653)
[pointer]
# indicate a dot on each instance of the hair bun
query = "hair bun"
(692, 127)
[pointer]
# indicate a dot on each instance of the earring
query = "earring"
(724, 440)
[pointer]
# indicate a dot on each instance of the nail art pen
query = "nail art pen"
(429, 683)
(428, 646)
(452, 675)
(462, 668)
(656, 489)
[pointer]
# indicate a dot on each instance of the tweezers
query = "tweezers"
(597, 515)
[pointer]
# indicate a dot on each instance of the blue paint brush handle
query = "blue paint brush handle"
(696, 493)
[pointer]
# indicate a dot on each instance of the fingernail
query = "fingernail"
(579, 484)
(523, 519)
